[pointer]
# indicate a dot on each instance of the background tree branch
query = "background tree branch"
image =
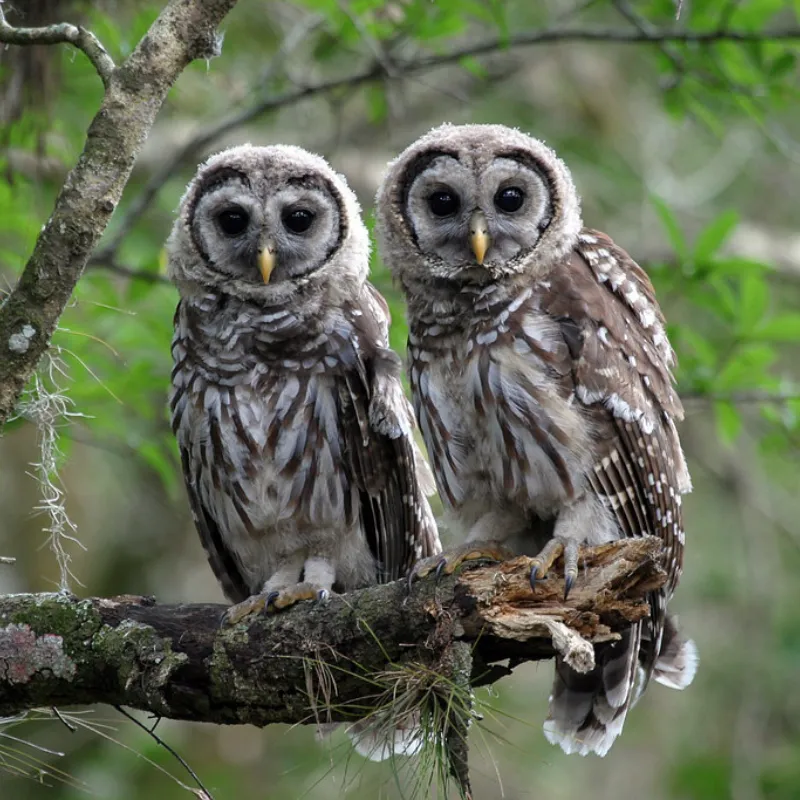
(63, 33)
(312, 663)
(388, 68)
(184, 31)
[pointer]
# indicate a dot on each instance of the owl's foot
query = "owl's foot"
(277, 601)
(555, 547)
(274, 601)
(236, 613)
(447, 562)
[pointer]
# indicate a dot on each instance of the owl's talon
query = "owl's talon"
(271, 598)
(294, 594)
(447, 562)
(555, 548)
(236, 613)
(323, 597)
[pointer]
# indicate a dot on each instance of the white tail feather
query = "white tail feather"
(677, 667)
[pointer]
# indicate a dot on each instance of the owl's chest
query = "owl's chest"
(262, 434)
(496, 410)
(266, 416)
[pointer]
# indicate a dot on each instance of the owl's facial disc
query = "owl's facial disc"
(478, 221)
(267, 231)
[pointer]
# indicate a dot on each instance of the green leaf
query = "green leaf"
(474, 67)
(728, 419)
(702, 350)
(746, 367)
(671, 227)
(782, 65)
(781, 328)
(714, 235)
(739, 266)
(753, 302)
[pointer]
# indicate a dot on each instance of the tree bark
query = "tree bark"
(185, 30)
(314, 663)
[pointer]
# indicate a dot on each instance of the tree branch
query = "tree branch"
(213, 132)
(185, 30)
(175, 661)
(148, 276)
(62, 33)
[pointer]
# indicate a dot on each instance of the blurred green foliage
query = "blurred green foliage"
(685, 151)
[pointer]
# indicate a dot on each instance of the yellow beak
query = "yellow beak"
(479, 239)
(266, 260)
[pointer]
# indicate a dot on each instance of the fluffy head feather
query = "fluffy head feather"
(264, 186)
(473, 165)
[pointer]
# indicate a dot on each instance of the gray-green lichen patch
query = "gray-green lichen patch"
(23, 654)
(141, 657)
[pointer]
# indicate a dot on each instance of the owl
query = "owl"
(295, 437)
(540, 373)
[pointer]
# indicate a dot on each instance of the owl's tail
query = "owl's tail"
(377, 744)
(587, 711)
(373, 740)
(677, 658)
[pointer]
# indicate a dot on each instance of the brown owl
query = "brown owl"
(295, 437)
(540, 372)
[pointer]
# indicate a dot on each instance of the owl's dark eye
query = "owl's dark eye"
(233, 221)
(444, 203)
(298, 220)
(509, 199)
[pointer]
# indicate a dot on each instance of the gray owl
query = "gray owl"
(295, 437)
(540, 372)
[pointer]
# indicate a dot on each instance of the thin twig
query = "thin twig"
(403, 69)
(61, 33)
(129, 272)
(644, 26)
(158, 740)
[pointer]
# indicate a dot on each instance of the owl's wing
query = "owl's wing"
(380, 453)
(621, 360)
(220, 557)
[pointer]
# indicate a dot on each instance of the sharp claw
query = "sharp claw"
(440, 568)
(323, 595)
(271, 598)
(534, 576)
(569, 581)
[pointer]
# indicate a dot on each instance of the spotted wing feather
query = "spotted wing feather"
(382, 458)
(621, 362)
(621, 372)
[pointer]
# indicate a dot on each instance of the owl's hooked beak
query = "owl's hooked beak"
(266, 260)
(479, 239)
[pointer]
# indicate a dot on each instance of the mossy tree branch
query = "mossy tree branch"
(176, 661)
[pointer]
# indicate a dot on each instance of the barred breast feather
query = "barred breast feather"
(282, 434)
